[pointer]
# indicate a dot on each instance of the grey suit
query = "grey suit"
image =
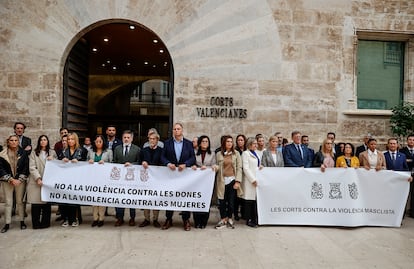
(133, 158)
(267, 159)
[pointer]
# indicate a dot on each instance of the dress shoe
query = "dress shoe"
(167, 224)
(156, 224)
(119, 222)
(187, 225)
(131, 222)
(23, 225)
(145, 223)
(5, 228)
(94, 223)
(100, 223)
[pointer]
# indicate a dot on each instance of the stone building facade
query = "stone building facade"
(286, 64)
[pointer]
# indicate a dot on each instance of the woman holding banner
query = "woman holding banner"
(348, 159)
(251, 163)
(73, 153)
(372, 158)
(14, 169)
(100, 154)
(37, 162)
(325, 158)
(204, 158)
(229, 176)
(271, 156)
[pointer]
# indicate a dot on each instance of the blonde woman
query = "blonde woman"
(14, 169)
(73, 153)
(325, 158)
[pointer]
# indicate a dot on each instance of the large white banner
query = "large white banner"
(338, 197)
(115, 185)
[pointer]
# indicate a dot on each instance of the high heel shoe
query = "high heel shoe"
(5, 228)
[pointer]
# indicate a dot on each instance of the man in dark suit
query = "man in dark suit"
(305, 142)
(364, 146)
(178, 153)
(127, 154)
(24, 141)
(408, 151)
(296, 154)
(395, 160)
(111, 140)
(26, 144)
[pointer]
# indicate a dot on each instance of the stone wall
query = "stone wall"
(290, 63)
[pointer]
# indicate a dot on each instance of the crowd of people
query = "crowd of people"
(235, 161)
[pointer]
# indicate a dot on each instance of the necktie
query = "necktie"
(126, 150)
(411, 152)
(300, 151)
(393, 157)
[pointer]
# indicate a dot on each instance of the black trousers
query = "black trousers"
(250, 207)
(201, 218)
(226, 205)
(412, 199)
(68, 212)
(41, 216)
(184, 214)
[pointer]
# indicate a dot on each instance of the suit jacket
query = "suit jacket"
(115, 143)
(187, 154)
(408, 157)
(267, 159)
(26, 141)
(360, 149)
(131, 157)
(209, 160)
(400, 163)
(151, 156)
(292, 157)
(36, 167)
(363, 160)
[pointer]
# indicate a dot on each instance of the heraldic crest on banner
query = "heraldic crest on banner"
(130, 174)
(115, 173)
(317, 191)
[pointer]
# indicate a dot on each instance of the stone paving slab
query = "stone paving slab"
(243, 247)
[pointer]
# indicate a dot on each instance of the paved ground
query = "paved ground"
(243, 247)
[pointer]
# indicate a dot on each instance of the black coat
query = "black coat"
(22, 170)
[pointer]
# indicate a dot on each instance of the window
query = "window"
(380, 74)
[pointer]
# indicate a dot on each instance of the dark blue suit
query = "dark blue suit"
(187, 157)
(293, 158)
(400, 163)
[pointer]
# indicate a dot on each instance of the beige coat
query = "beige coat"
(364, 162)
(249, 175)
(36, 168)
(237, 166)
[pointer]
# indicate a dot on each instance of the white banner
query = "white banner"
(115, 185)
(338, 197)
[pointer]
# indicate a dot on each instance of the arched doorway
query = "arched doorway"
(118, 73)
